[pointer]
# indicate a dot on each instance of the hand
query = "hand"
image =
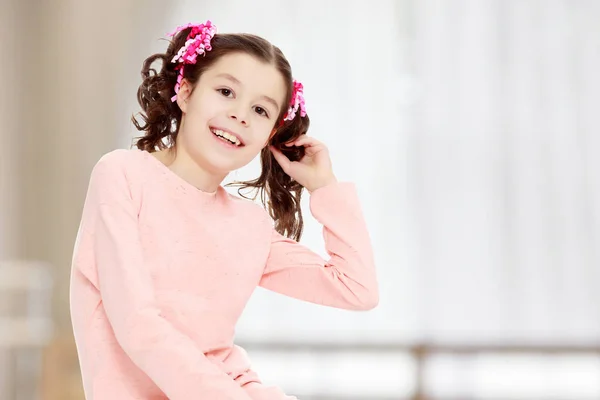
(314, 169)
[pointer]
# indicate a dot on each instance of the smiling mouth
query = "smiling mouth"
(226, 137)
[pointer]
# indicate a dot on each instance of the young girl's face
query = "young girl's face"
(230, 115)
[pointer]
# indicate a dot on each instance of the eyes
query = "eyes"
(225, 92)
(229, 93)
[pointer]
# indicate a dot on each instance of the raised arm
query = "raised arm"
(171, 359)
(347, 279)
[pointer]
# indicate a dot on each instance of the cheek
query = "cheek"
(264, 129)
(259, 138)
(263, 132)
(202, 110)
(206, 105)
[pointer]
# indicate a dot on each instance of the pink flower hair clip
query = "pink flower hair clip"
(197, 43)
(296, 102)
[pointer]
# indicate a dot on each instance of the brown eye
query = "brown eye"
(262, 111)
(225, 92)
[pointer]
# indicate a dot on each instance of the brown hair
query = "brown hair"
(162, 118)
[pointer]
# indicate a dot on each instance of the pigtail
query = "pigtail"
(279, 193)
(160, 117)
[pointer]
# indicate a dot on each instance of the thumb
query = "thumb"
(281, 159)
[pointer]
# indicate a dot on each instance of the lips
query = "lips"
(213, 129)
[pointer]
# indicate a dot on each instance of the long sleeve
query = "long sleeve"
(170, 358)
(348, 279)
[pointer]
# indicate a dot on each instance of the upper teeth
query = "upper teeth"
(227, 136)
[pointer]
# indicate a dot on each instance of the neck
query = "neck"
(182, 164)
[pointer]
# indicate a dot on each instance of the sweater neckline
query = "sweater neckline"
(181, 184)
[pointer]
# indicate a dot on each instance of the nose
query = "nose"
(239, 116)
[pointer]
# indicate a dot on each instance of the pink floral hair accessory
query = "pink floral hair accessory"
(296, 102)
(197, 43)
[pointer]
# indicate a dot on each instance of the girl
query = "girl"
(166, 259)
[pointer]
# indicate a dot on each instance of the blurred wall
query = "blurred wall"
(10, 105)
(63, 86)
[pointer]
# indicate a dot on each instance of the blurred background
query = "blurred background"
(469, 126)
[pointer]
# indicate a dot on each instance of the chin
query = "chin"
(223, 163)
(222, 160)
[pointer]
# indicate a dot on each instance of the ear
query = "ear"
(183, 97)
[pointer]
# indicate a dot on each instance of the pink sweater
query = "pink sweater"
(162, 271)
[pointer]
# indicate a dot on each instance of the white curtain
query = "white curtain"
(469, 128)
(504, 179)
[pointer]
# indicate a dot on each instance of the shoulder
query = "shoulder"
(119, 159)
(120, 163)
(119, 170)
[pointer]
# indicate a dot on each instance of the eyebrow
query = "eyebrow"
(237, 82)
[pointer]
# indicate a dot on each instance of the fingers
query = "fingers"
(281, 159)
(311, 145)
(304, 140)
